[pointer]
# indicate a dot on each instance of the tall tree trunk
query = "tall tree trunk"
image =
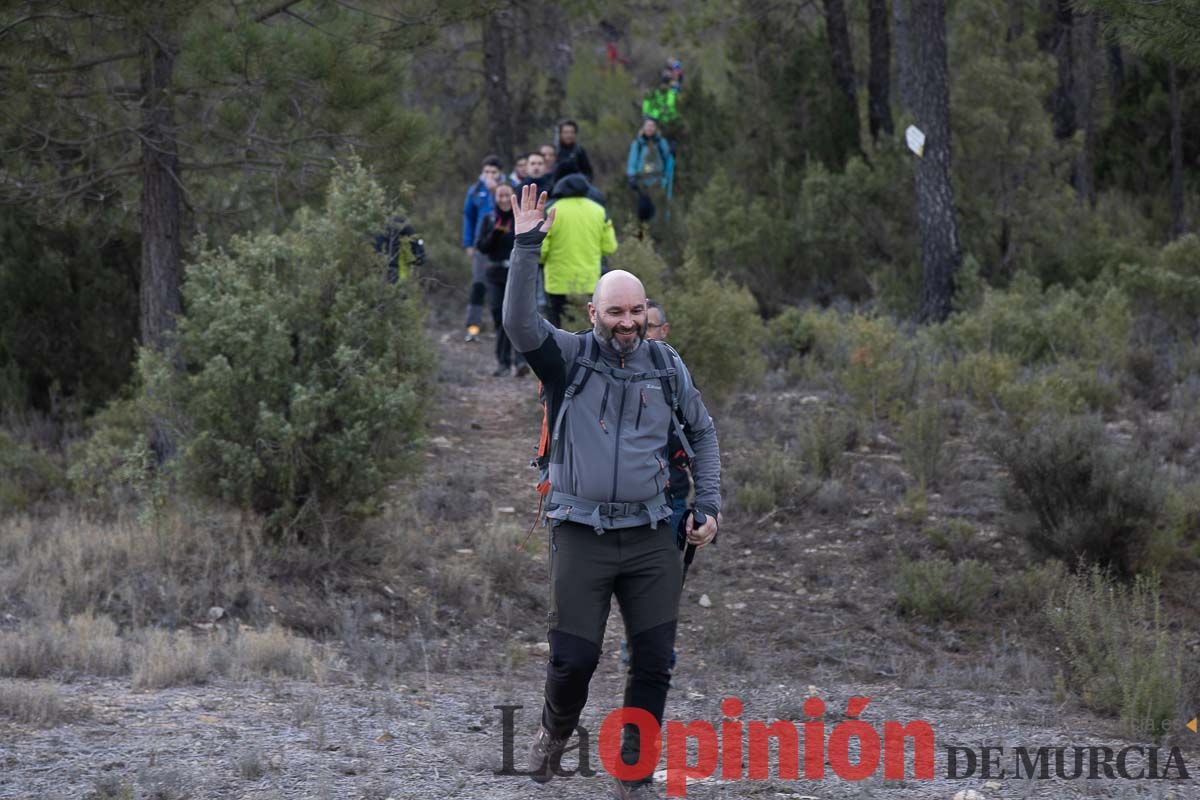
(495, 71)
(1116, 71)
(1178, 222)
(845, 106)
(1060, 43)
(1088, 57)
(161, 205)
(561, 56)
(904, 60)
(879, 79)
(941, 254)
(1016, 20)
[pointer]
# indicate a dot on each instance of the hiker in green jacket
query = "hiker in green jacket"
(660, 104)
(572, 251)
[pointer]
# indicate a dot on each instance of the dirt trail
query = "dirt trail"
(790, 607)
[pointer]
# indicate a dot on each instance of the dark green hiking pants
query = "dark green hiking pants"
(643, 568)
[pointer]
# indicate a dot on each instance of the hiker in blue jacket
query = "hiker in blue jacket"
(650, 168)
(477, 205)
(650, 163)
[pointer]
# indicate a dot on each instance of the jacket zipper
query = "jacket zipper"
(642, 400)
(617, 449)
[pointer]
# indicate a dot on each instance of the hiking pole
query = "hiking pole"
(689, 554)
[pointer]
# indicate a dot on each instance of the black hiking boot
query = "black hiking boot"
(639, 790)
(545, 755)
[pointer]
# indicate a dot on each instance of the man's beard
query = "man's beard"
(608, 336)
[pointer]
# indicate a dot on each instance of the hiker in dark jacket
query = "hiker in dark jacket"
(679, 485)
(536, 174)
(570, 156)
(606, 507)
(495, 243)
(477, 204)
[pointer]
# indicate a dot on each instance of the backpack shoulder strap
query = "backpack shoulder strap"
(670, 383)
(577, 378)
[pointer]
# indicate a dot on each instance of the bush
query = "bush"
(773, 479)
(1026, 593)
(716, 328)
(1076, 495)
(941, 590)
(27, 477)
(307, 372)
(825, 435)
(1171, 285)
(922, 442)
(1121, 656)
(955, 537)
(1037, 326)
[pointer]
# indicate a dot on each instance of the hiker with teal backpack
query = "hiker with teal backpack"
(650, 168)
(611, 398)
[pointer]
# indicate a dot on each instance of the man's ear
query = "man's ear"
(591, 313)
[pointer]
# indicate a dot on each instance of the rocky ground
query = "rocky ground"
(788, 604)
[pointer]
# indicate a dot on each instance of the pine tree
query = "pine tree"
(162, 115)
(926, 89)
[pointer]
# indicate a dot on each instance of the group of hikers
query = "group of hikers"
(573, 258)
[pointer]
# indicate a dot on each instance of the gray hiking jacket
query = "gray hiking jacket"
(612, 467)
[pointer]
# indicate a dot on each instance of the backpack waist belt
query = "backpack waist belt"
(600, 516)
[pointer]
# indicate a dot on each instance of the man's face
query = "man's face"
(655, 327)
(504, 196)
(491, 175)
(535, 166)
(566, 135)
(519, 168)
(547, 155)
(620, 318)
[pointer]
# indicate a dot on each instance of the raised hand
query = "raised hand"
(530, 211)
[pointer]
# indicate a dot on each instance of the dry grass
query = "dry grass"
(86, 644)
(165, 659)
(138, 571)
(274, 652)
(37, 703)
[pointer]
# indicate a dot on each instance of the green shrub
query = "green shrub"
(1074, 494)
(27, 477)
(756, 498)
(772, 479)
(880, 373)
(955, 537)
(1122, 658)
(1026, 593)
(1171, 285)
(716, 328)
(941, 590)
(825, 436)
(114, 466)
(307, 372)
(1038, 326)
(922, 442)
(978, 376)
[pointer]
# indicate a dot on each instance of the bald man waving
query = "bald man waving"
(612, 396)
